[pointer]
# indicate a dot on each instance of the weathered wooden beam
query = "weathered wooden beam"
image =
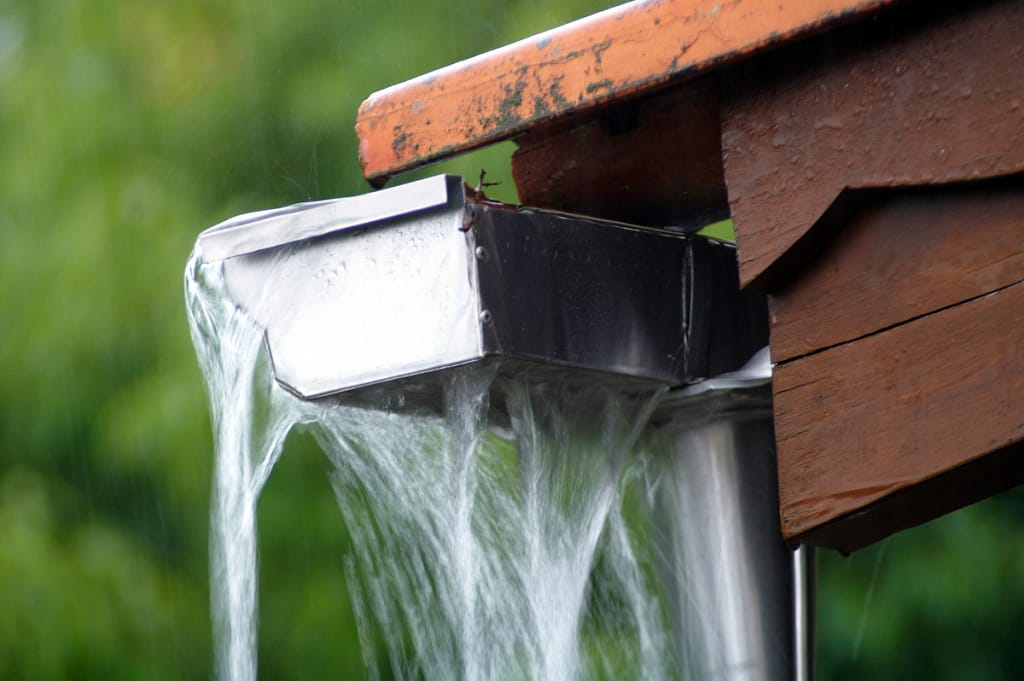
(929, 93)
(623, 52)
(654, 161)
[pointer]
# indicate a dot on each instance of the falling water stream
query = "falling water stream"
(484, 548)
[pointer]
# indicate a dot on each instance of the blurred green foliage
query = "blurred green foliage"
(127, 126)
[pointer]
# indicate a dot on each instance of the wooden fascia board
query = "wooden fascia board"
(614, 55)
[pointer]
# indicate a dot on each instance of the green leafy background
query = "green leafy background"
(127, 126)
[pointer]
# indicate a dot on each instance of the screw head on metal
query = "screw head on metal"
(485, 316)
(481, 253)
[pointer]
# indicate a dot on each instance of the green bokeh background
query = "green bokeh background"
(127, 126)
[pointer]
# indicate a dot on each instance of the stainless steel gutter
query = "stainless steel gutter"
(397, 285)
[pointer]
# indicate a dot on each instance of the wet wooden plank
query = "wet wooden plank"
(972, 482)
(615, 55)
(897, 255)
(867, 421)
(934, 93)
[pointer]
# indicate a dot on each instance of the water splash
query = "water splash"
(482, 552)
(251, 416)
(862, 623)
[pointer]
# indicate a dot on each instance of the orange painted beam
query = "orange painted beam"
(617, 54)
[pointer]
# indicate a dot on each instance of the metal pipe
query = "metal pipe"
(738, 611)
(804, 606)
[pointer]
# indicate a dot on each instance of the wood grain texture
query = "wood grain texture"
(899, 254)
(931, 93)
(964, 485)
(865, 421)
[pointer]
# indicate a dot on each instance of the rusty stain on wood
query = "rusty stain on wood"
(933, 94)
(617, 54)
(897, 255)
(864, 421)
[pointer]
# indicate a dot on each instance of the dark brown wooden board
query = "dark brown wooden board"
(962, 486)
(654, 161)
(866, 421)
(929, 92)
(899, 254)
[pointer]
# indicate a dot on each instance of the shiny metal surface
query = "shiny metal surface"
(394, 286)
(804, 574)
(273, 228)
(361, 307)
(730, 574)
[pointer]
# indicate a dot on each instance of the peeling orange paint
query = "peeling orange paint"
(617, 54)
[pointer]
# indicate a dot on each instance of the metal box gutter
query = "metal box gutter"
(400, 284)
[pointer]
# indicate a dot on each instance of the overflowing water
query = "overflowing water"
(484, 549)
